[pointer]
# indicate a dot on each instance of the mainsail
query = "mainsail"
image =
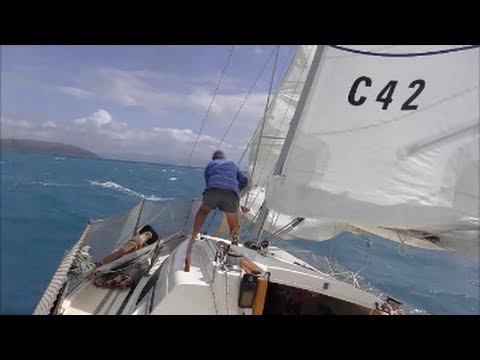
(387, 139)
(266, 147)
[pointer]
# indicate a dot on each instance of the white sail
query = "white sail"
(263, 160)
(388, 141)
(266, 146)
(325, 229)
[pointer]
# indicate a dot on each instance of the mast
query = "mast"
(263, 212)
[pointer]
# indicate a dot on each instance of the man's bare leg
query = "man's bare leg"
(199, 219)
(232, 219)
(197, 225)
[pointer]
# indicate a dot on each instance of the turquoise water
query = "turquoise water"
(46, 202)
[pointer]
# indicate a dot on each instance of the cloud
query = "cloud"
(257, 50)
(163, 94)
(75, 91)
(173, 104)
(225, 108)
(15, 123)
(98, 119)
(100, 133)
(185, 135)
(134, 89)
(49, 124)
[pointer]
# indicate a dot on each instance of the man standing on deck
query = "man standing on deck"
(224, 183)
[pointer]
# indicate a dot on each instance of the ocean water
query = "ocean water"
(46, 202)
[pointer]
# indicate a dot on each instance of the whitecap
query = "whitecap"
(114, 186)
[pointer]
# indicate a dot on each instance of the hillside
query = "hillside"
(45, 147)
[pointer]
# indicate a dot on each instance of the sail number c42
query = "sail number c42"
(386, 95)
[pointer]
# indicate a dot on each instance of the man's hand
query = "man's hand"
(244, 209)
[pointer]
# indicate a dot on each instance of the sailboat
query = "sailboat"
(366, 139)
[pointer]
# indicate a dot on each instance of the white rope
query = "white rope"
(211, 288)
(82, 265)
(226, 291)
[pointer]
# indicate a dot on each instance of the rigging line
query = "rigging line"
(287, 62)
(190, 210)
(402, 251)
(211, 219)
(236, 116)
(285, 114)
(243, 223)
(246, 98)
(263, 186)
(274, 220)
(368, 245)
(265, 115)
(249, 143)
(278, 130)
(285, 229)
(211, 103)
(332, 240)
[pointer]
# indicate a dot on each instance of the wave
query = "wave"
(173, 179)
(125, 190)
(45, 183)
(59, 158)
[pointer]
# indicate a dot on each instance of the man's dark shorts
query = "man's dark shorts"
(225, 200)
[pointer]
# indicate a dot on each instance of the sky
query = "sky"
(135, 102)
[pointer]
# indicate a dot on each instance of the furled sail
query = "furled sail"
(388, 138)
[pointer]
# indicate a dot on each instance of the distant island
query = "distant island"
(46, 147)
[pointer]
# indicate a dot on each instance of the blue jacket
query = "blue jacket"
(224, 174)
